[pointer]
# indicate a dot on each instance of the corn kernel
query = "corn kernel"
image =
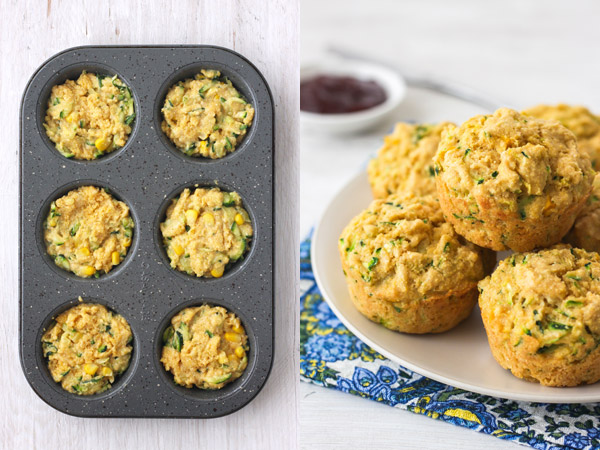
(238, 329)
(239, 352)
(548, 207)
(208, 218)
(52, 222)
(217, 272)
(89, 271)
(126, 243)
(107, 372)
(84, 251)
(223, 359)
(90, 369)
(71, 118)
(233, 337)
(102, 144)
(203, 145)
(190, 216)
(116, 258)
(239, 219)
(178, 249)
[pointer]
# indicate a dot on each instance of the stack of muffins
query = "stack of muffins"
(447, 198)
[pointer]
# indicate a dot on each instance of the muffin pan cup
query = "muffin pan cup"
(146, 173)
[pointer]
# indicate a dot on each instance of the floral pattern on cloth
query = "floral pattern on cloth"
(331, 356)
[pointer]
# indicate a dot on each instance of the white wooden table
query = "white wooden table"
(267, 34)
(520, 52)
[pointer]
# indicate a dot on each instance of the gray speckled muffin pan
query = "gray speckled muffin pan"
(146, 174)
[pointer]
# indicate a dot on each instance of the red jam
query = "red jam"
(330, 94)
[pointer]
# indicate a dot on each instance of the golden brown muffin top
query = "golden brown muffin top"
(521, 164)
(402, 247)
(404, 163)
(586, 229)
(548, 302)
(578, 119)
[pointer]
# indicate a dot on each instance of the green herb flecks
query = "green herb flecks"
(559, 326)
(523, 203)
(573, 304)
(372, 263)
(469, 217)
(74, 229)
(420, 133)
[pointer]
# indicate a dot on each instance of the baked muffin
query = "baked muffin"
(509, 181)
(205, 346)
(541, 312)
(87, 347)
(404, 163)
(584, 125)
(585, 233)
(407, 269)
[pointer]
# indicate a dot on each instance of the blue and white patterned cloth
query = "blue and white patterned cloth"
(331, 356)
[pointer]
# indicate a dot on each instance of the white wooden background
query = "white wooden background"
(522, 52)
(266, 33)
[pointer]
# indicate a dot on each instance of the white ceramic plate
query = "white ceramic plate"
(460, 357)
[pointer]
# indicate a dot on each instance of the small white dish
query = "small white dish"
(460, 357)
(392, 83)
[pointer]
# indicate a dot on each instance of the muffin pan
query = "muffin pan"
(146, 174)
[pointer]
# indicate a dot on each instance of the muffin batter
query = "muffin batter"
(404, 163)
(206, 347)
(206, 116)
(509, 181)
(89, 117)
(407, 269)
(541, 312)
(88, 232)
(87, 347)
(206, 230)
